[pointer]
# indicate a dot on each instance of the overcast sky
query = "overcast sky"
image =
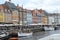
(48, 5)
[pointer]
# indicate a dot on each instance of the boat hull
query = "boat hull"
(48, 28)
(24, 34)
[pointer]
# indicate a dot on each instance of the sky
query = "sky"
(48, 5)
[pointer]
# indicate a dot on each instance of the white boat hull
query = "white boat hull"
(48, 28)
(24, 34)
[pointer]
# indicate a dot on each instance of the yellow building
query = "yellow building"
(44, 20)
(2, 16)
(7, 16)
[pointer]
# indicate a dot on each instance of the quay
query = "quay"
(12, 30)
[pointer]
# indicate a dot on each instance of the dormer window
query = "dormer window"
(5, 10)
(0, 10)
(8, 11)
(38, 14)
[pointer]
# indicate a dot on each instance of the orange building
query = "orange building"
(39, 16)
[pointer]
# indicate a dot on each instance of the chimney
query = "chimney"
(41, 10)
(17, 5)
(9, 0)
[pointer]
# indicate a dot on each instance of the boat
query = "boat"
(48, 28)
(25, 33)
(3, 34)
(13, 36)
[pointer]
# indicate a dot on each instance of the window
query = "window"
(38, 15)
(29, 17)
(39, 19)
(5, 10)
(32, 14)
(0, 10)
(9, 11)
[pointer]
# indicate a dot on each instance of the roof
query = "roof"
(45, 13)
(11, 6)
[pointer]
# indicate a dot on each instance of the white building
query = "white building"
(51, 20)
(54, 18)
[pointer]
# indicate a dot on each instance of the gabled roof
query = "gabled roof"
(10, 6)
(46, 13)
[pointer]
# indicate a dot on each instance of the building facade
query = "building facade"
(54, 18)
(7, 15)
(15, 17)
(16, 14)
(39, 16)
(29, 17)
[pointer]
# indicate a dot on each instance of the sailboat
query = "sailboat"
(21, 33)
(24, 33)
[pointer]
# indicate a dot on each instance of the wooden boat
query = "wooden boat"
(13, 36)
(25, 33)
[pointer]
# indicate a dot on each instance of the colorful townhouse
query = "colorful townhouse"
(7, 13)
(10, 13)
(39, 16)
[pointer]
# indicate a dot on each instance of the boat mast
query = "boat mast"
(22, 18)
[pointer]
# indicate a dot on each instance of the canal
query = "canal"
(39, 35)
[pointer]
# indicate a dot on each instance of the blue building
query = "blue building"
(29, 17)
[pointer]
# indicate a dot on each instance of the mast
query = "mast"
(20, 13)
(22, 18)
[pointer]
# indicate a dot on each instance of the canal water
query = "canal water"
(39, 35)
